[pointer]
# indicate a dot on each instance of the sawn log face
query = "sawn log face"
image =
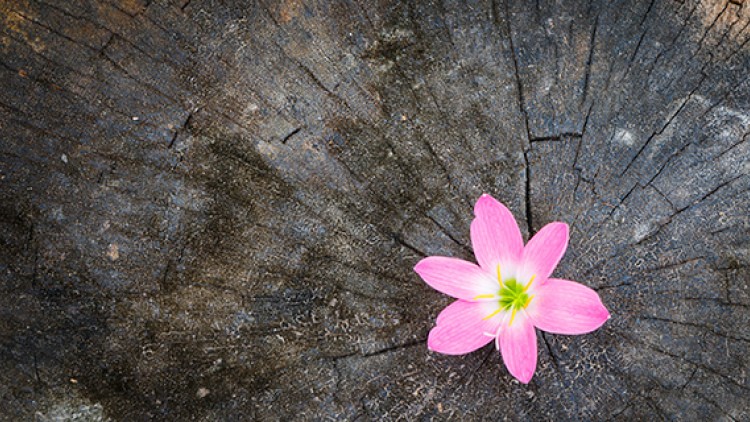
(211, 210)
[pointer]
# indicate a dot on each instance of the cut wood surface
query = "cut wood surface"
(210, 210)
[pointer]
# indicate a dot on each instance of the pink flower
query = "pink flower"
(509, 292)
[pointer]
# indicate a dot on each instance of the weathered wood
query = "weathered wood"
(210, 210)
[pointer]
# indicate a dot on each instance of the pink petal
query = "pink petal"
(494, 234)
(456, 277)
(460, 328)
(543, 252)
(517, 344)
(566, 307)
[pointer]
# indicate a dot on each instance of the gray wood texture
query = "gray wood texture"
(210, 209)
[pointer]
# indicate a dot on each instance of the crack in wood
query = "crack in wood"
(519, 86)
(556, 138)
(527, 201)
(290, 134)
(664, 127)
(703, 328)
(686, 360)
(587, 71)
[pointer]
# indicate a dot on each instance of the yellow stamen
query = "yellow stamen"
(484, 297)
(492, 314)
(513, 315)
(528, 301)
(499, 276)
(530, 281)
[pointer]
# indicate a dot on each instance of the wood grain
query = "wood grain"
(210, 210)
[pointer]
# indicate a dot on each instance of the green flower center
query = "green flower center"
(512, 296)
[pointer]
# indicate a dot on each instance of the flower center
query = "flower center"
(512, 296)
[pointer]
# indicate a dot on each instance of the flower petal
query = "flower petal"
(456, 277)
(566, 307)
(494, 234)
(543, 252)
(461, 328)
(517, 344)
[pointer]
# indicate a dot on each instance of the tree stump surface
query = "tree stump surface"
(211, 209)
